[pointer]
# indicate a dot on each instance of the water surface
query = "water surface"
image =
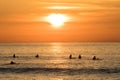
(54, 63)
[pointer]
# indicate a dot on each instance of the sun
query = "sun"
(56, 20)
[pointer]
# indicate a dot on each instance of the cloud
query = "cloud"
(91, 11)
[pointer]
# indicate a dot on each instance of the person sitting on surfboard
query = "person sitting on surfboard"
(70, 57)
(79, 57)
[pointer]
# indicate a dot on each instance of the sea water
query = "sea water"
(53, 62)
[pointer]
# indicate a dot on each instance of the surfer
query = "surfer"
(37, 56)
(79, 57)
(70, 57)
(14, 56)
(12, 62)
(94, 58)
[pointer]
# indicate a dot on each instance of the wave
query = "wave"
(58, 70)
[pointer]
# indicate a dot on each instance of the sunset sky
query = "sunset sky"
(85, 20)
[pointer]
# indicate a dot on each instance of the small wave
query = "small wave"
(58, 70)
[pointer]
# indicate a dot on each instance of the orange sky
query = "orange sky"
(22, 20)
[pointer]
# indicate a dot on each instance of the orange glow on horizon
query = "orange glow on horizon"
(59, 20)
(62, 7)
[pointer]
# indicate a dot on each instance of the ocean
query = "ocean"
(53, 62)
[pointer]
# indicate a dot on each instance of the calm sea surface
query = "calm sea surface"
(54, 63)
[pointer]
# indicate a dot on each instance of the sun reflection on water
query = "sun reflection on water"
(58, 58)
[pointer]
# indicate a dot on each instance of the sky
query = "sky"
(24, 21)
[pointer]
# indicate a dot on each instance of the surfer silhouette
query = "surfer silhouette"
(12, 62)
(79, 57)
(94, 58)
(37, 56)
(70, 57)
(14, 56)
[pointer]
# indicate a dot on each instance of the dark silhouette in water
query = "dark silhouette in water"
(79, 57)
(12, 62)
(14, 56)
(70, 57)
(94, 58)
(37, 56)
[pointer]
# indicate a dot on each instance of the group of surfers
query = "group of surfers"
(79, 57)
(70, 57)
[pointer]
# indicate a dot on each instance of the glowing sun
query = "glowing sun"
(57, 20)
